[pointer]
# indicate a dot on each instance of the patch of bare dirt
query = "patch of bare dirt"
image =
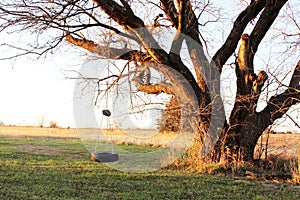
(40, 149)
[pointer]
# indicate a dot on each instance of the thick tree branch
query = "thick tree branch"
(130, 22)
(108, 52)
(262, 26)
(178, 39)
(170, 10)
(278, 105)
(92, 47)
(239, 26)
(182, 19)
(294, 83)
(123, 15)
(157, 88)
(188, 25)
(250, 84)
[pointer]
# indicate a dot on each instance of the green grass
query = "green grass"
(60, 169)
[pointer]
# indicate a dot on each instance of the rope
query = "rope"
(99, 137)
(108, 127)
(108, 71)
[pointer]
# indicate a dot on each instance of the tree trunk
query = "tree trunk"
(239, 145)
(249, 136)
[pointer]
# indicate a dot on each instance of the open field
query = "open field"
(278, 144)
(282, 145)
(19, 131)
(53, 168)
(53, 164)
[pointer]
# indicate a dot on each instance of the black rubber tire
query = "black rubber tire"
(104, 157)
(106, 113)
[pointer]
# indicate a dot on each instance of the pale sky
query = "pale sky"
(31, 89)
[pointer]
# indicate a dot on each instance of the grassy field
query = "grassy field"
(59, 168)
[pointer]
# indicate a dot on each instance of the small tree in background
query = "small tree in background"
(53, 124)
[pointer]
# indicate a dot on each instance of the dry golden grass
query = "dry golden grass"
(150, 138)
(285, 145)
(19, 131)
(117, 136)
(281, 145)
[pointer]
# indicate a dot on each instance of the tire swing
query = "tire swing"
(106, 156)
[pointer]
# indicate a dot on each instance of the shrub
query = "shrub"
(53, 124)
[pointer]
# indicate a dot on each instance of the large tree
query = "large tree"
(196, 84)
